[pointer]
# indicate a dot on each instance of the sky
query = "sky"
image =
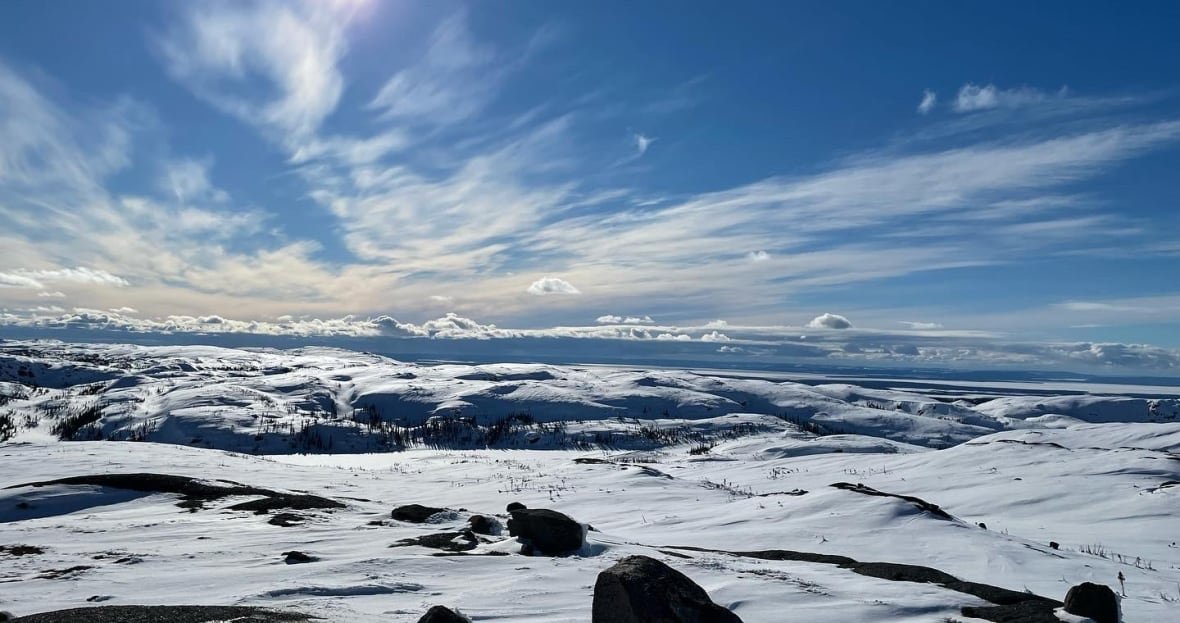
(911, 181)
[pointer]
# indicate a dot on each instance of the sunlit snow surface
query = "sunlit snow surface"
(1088, 472)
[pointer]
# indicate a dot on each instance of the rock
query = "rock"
(6, 616)
(983, 525)
(515, 506)
(546, 530)
(443, 614)
(1096, 601)
(414, 513)
(286, 520)
(639, 589)
(1054, 545)
(294, 558)
(481, 525)
(449, 541)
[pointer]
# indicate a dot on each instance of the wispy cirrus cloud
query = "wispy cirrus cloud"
(642, 142)
(974, 97)
(269, 62)
(454, 79)
(438, 178)
(929, 100)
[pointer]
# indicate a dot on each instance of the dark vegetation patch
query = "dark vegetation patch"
(196, 493)
(921, 504)
(75, 418)
(386, 430)
(164, 614)
(21, 550)
(7, 425)
(1010, 606)
(53, 574)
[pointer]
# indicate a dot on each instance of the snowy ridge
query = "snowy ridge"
(318, 399)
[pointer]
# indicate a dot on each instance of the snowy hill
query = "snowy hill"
(761, 491)
(319, 399)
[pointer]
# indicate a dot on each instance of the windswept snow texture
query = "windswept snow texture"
(666, 464)
(320, 400)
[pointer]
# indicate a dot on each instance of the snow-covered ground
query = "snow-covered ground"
(681, 459)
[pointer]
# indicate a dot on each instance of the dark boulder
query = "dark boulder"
(546, 531)
(639, 589)
(481, 525)
(286, 520)
(295, 558)
(1054, 545)
(461, 541)
(414, 513)
(443, 614)
(1096, 601)
(515, 506)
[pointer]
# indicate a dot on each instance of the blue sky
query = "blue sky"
(927, 170)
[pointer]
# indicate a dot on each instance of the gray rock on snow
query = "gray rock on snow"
(1096, 601)
(546, 531)
(639, 589)
(443, 614)
(415, 513)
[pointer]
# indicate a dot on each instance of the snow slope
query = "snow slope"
(1087, 494)
(653, 460)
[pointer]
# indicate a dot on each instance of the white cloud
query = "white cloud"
(974, 97)
(438, 298)
(642, 142)
(613, 319)
(921, 326)
(714, 336)
(552, 285)
(500, 197)
(52, 295)
(929, 99)
(37, 279)
(224, 52)
(15, 280)
(124, 310)
(779, 343)
(80, 274)
(188, 180)
(454, 80)
(829, 321)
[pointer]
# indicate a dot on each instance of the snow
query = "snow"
(694, 460)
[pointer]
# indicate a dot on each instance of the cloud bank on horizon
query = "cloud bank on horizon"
(828, 338)
(319, 168)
